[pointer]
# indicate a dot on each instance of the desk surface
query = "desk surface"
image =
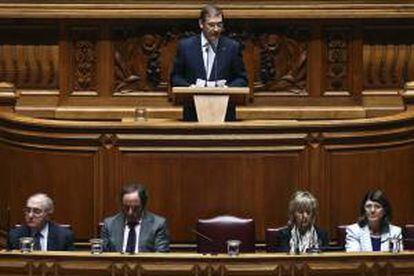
(83, 263)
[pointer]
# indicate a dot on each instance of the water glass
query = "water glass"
(26, 244)
(141, 114)
(96, 246)
(394, 245)
(233, 247)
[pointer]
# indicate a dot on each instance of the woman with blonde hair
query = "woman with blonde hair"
(301, 235)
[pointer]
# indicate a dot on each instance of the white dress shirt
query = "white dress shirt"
(43, 238)
(208, 55)
(126, 233)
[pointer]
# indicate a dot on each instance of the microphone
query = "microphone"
(207, 65)
(215, 49)
(201, 235)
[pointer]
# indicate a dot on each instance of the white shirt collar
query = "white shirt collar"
(204, 41)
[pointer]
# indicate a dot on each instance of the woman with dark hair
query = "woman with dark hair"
(302, 235)
(373, 231)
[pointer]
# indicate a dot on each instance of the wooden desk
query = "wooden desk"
(83, 263)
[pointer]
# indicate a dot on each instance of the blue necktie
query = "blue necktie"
(132, 236)
(36, 238)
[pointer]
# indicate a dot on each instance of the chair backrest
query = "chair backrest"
(272, 237)
(212, 234)
(341, 235)
(408, 237)
(99, 230)
(68, 226)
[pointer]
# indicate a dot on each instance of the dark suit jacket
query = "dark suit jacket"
(189, 66)
(59, 238)
(284, 239)
(153, 234)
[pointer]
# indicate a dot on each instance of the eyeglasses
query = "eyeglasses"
(37, 212)
(212, 25)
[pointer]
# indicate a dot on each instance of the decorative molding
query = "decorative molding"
(337, 264)
(314, 139)
(337, 43)
(29, 66)
(84, 61)
(189, 9)
(108, 141)
(388, 58)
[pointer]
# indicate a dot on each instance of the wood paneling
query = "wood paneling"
(197, 171)
(67, 177)
(202, 185)
(128, 62)
(299, 55)
(83, 263)
(354, 172)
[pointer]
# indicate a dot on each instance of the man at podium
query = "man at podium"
(209, 60)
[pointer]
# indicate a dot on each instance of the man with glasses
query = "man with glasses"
(209, 60)
(47, 236)
(134, 229)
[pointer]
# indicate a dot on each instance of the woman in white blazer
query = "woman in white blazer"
(373, 231)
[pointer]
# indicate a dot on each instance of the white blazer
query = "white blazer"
(359, 239)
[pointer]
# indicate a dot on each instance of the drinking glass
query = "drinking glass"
(96, 246)
(26, 244)
(233, 247)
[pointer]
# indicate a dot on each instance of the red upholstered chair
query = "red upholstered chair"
(272, 237)
(408, 234)
(341, 235)
(213, 233)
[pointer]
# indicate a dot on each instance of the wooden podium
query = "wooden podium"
(210, 102)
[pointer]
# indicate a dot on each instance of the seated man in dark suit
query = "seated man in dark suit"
(209, 59)
(134, 229)
(47, 235)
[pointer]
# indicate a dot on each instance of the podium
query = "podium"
(210, 102)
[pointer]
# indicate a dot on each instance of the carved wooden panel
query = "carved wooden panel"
(388, 57)
(178, 264)
(280, 58)
(337, 44)
(186, 186)
(84, 59)
(142, 58)
(29, 56)
(82, 268)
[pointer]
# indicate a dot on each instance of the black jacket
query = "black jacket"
(59, 238)
(283, 240)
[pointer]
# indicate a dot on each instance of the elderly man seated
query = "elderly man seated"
(47, 236)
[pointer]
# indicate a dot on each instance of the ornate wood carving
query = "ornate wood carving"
(388, 57)
(283, 59)
(337, 41)
(179, 264)
(142, 60)
(84, 59)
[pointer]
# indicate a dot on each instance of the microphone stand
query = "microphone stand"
(207, 64)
